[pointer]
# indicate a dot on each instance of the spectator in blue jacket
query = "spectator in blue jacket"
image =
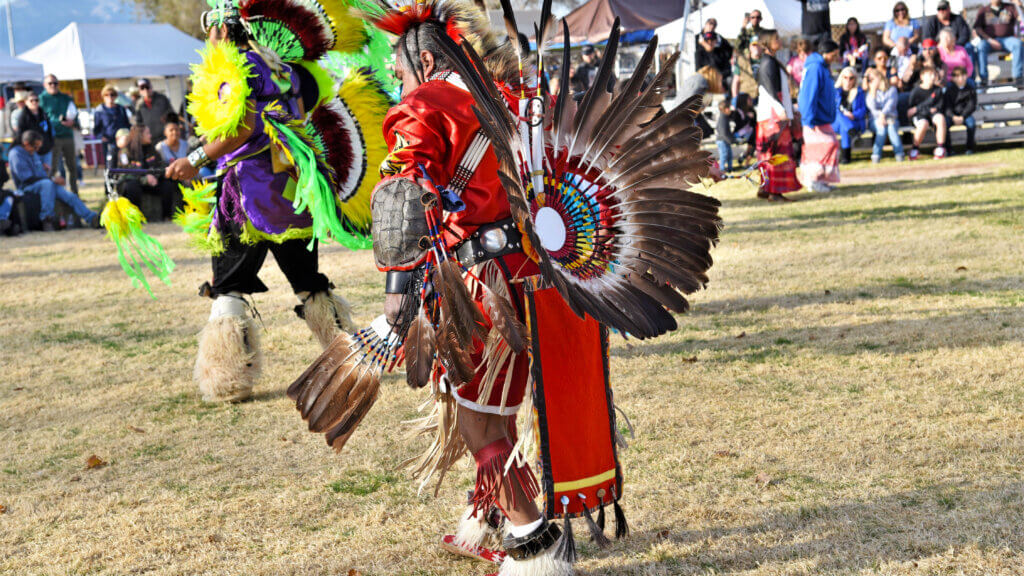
(851, 111)
(109, 117)
(817, 102)
(30, 177)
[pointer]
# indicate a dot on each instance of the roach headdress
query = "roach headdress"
(423, 23)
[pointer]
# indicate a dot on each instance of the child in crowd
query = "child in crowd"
(927, 109)
(960, 102)
(744, 123)
(724, 136)
(882, 102)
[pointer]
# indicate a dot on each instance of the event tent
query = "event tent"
(82, 51)
(14, 69)
(592, 21)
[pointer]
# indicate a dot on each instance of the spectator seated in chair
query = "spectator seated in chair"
(7, 201)
(30, 177)
(927, 110)
(173, 146)
(138, 152)
(961, 100)
(996, 26)
(882, 100)
(851, 111)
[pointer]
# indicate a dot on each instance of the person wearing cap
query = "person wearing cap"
(929, 58)
(15, 109)
(996, 26)
(151, 109)
(62, 113)
(945, 18)
(585, 73)
(714, 51)
(108, 118)
(817, 103)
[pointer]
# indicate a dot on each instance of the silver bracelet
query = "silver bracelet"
(198, 158)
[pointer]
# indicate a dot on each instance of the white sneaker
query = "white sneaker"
(940, 153)
(876, 159)
(900, 158)
(820, 187)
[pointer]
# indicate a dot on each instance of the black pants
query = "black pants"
(165, 189)
(238, 268)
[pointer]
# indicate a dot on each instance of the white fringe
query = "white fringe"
(474, 532)
(547, 563)
(226, 368)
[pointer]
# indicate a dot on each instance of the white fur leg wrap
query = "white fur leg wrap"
(324, 311)
(476, 532)
(229, 360)
(547, 563)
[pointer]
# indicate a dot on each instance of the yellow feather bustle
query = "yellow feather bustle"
(350, 30)
(368, 103)
(220, 91)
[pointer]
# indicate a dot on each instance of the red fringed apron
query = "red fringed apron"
(574, 412)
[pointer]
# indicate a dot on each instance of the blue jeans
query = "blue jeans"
(891, 129)
(846, 129)
(1011, 45)
(5, 208)
(971, 126)
(724, 156)
(47, 159)
(49, 193)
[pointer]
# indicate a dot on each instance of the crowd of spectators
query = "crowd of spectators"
(924, 74)
(139, 129)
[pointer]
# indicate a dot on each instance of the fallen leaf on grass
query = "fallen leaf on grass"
(742, 334)
(354, 572)
(214, 538)
(3, 509)
(136, 429)
(94, 461)
(763, 479)
(19, 388)
(663, 534)
(725, 454)
(690, 360)
(828, 292)
(961, 268)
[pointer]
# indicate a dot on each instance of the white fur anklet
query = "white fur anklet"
(324, 312)
(229, 360)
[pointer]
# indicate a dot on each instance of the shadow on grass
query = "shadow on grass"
(91, 270)
(850, 536)
(896, 288)
(832, 218)
(845, 191)
(976, 328)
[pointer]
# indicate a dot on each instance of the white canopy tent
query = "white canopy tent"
(111, 51)
(14, 70)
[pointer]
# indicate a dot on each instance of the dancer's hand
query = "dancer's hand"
(181, 169)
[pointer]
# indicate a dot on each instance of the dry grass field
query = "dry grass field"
(845, 398)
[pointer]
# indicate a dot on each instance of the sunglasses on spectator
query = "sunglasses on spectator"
(51, 83)
(757, 17)
(33, 99)
(900, 11)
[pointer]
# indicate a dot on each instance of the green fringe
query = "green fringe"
(138, 249)
(313, 192)
(278, 38)
(250, 235)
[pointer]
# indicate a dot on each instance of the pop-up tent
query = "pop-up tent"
(82, 51)
(112, 51)
(14, 69)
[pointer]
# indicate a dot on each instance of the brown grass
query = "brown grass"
(855, 407)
